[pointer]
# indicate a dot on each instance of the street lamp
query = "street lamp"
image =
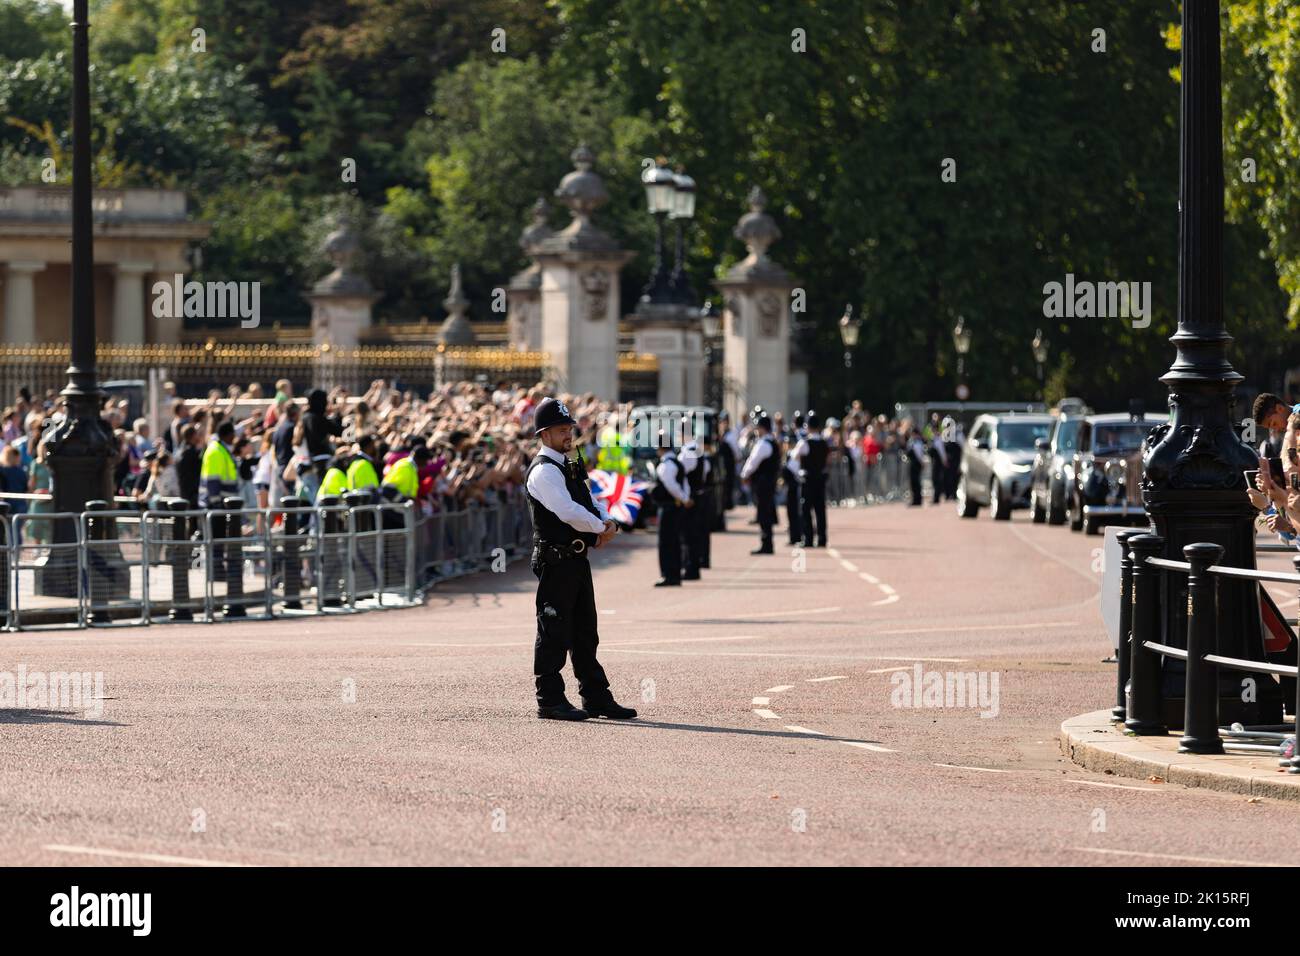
(711, 325)
(961, 341)
(849, 329)
(683, 211)
(1039, 345)
(79, 449)
(661, 199)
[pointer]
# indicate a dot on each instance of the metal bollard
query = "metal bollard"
(1201, 711)
(1144, 706)
(1124, 655)
(362, 563)
(1295, 760)
(99, 583)
(293, 524)
(330, 565)
(180, 560)
(4, 564)
(232, 529)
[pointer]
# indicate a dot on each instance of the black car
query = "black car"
(1051, 474)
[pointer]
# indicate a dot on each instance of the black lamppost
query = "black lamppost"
(683, 211)
(961, 342)
(661, 198)
(850, 328)
(1193, 485)
(1039, 346)
(80, 448)
(711, 325)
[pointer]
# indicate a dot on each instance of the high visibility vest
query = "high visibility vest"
(361, 474)
(612, 454)
(217, 472)
(405, 477)
(334, 483)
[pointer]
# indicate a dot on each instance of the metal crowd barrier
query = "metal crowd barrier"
(1139, 695)
(884, 480)
(121, 565)
(476, 538)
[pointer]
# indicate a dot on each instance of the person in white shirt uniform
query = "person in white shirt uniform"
(760, 473)
(695, 531)
(566, 523)
(672, 493)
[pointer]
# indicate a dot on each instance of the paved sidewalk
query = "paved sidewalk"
(1095, 742)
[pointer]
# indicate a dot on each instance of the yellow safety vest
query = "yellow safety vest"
(334, 483)
(405, 477)
(218, 462)
(361, 474)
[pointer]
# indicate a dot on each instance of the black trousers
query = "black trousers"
(694, 531)
(914, 474)
(566, 625)
(793, 505)
(814, 510)
(670, 542)
(765, 503)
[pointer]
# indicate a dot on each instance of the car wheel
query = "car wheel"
(1074, 514)
(999, 506)
(965, 507)
(1092, 526)
(1055, 507)
(1036, 510)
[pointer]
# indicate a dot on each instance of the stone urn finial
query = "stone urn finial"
(756, 229)
(341, 248)
(537, 229)
(456, 329)
(582, 190)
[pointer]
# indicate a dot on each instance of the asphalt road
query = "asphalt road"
(773, 728)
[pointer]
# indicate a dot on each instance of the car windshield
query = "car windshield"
(1013, 436)
(1067, 437)
(1119, 437)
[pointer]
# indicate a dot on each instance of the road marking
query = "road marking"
(1118, 786)
(761, 701)
(778, 689)
(1173, 856)
(868, 578)
(834, 553)
(954, 766)
(818, 680)
(1094, 579)
(974, 627)
(889, 600)
(804, 730)
(148, 857)
(849, 566)
(791, 656)
(611, 645)
(766, 714)
(887, 589)
(811, 610)
(872, 747)
(886, 670)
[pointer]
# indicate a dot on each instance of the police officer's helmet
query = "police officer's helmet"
(797, 421)
(813, 421)
(551, 412)
(763, 421)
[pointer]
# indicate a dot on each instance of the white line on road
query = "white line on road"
(872, 747)
(870, 579)
(886, 670)
(834, 553)
(818, 680)
(148, 857)
(887, 589)
(954, 766)
(761, 701)
(889, 600)
(778, 689)
(807, 657)
(849, 566)
(791, 611)
(766, 714)
(1172, 856)
(975, 627)
(804, 730)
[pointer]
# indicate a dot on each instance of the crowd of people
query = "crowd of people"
(1276, 491)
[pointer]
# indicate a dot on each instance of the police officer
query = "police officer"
(790, 479)
(566, 523)
(672, 493)
(760, 472)
(218, 475)
(695, 530)
(812, 457)
(361, 471)
(404, 474)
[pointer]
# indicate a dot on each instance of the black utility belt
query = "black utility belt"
(554, 553)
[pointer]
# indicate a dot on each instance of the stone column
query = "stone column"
(756, 320)
(523, 294)
(20, 302)
(129, 302)
(671, 332)
(580, 268)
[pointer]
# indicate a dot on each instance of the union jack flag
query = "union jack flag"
(622, 494)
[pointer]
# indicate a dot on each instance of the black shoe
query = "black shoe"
(762, 551)
(665, 583)
(561, 711)
(690, 577)
(610, 709)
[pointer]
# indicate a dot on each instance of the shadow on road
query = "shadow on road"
(705, 729)
(15, 716)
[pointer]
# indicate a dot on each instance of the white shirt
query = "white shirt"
(548, 487)
(730, 439)
(761, 451)
(690, 455)
(668, 477)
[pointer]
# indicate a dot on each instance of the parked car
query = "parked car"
(997, 463)
(1106, 471)
(1053, 465)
